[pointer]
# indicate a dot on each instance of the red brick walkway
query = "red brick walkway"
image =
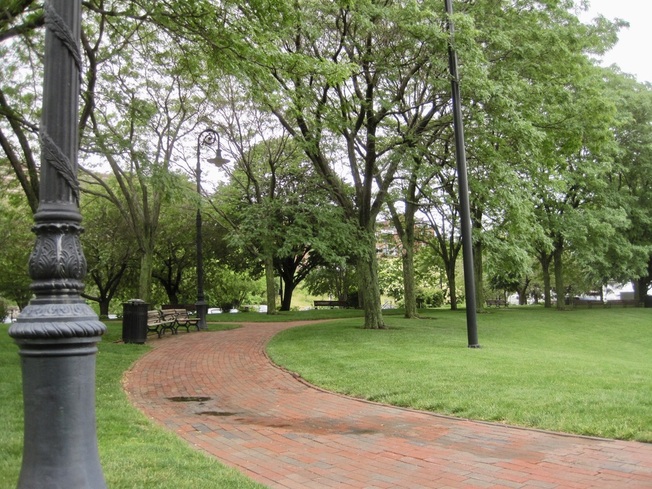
(218, 391)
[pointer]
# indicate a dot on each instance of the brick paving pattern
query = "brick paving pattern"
(220, 392)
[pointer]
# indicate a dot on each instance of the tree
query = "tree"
(340, 78)
(228, 288)
(175, 254)
(138, 119)
(631, 180)
(18, 241)
(135, 107)
(338, 281)
(20, 18)
(572, 201)
(445, 241)
(21, 47)
(21, 37)
(414, 182)
(525, 95)
(263, 153)
(108, 247)
(278, 210)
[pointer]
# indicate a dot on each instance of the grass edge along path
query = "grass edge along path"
(584, 372)
(134, 452)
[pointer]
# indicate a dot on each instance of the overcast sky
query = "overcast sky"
(632, 53)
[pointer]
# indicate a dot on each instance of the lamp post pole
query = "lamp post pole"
(57, 333)
(465, 211)
(208, 137)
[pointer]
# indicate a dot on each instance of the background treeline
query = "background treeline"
(336, 119)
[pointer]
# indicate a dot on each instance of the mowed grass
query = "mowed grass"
(587, 372)
(134, 452)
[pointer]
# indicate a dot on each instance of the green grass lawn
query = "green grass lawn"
(583, 371)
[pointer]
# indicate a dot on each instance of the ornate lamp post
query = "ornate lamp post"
(208, 137)
(57, 333)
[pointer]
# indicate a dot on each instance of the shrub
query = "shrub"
(430, 297)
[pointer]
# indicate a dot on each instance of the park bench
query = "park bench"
(586, 302)
(331, 304)
(496, 302)
(158, 321)
(182, 319)
(623, 303)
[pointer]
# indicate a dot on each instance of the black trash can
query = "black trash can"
(134, 321)
(647, 301)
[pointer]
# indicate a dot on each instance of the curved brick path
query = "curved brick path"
(218, 391)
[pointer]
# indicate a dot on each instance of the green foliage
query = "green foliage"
(336, 282)
(559, 151)
(228, 289)
(430, 297)
(276, 206)
(390, 277)
(4, 308)
(630, 178)
(18, 241)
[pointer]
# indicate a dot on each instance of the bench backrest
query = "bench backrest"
(330, 303)
(178, 313)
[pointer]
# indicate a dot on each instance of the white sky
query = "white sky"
(632, 53)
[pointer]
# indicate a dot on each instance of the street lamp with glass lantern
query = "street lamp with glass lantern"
(208, 137)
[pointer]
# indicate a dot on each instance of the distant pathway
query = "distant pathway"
(219, 391)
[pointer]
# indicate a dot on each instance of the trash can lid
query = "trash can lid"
(135, 301)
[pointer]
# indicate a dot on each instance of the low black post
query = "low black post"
(57, 333)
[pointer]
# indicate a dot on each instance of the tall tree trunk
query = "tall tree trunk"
(640, 288)
(522, 292)
(368, 289)
(286, 301)
(544, 260)
(104, 307)
(409, 292)
(559, 276)
(406, 233)
(450, 278)
(145, 279)
(270, 284)
(477, 259)
(479, 278)
(173, 297)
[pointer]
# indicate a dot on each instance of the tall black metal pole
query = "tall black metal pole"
(57, 333)
(207, 137)
(465, 208)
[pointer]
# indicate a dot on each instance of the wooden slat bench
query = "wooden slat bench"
(496, 302)
(587, 302)
(159, 321)
(331, 304)
(623, 303)
(182, 319)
